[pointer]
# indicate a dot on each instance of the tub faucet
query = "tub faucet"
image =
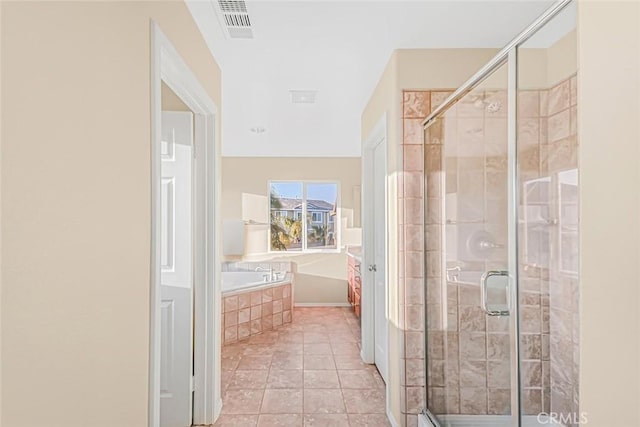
(453, 277)
(269, 270)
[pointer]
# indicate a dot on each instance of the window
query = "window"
(292, 201)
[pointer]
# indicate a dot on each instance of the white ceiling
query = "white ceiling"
(339, 49)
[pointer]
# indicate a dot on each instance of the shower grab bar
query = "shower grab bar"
(496, 61)
(483, 293)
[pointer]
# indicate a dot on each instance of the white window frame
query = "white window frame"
(337, 227)
(313, 216)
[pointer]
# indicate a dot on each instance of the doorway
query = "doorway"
(184, 380)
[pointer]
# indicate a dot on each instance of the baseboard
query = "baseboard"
(392, 419)
(424, 421)
(217, 410)
(322, 304)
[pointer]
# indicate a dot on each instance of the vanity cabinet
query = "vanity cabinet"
(354, 283)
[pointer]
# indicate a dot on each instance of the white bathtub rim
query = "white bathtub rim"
(258, 286)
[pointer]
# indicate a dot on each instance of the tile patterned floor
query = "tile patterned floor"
(308, 373)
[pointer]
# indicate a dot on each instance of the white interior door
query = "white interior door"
(176, 271)
(380, 262)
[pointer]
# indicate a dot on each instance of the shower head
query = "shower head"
(481, 101)
(494, 107)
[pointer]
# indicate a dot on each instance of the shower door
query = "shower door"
(470, 220)
(502, 217)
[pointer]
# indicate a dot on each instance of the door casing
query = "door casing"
(378, 136)
(167, 66)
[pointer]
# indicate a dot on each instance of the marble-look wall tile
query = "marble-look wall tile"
(544, 103)
(415, 399)
(559, 126)
(436, 398)
(498, 346)
(499, 401)
(433, 213)
(231, 318)
(230, 303)
(413, 184)
(531, 345)
(438, 97)
(499, 374)
(531, 401)
(496, 103)
(452, 403)
(531, 319)
(531, 373)
(528, 132)
(413, 238)
(413, 131)
(473, 400)
(473, 373)
(528, 103)
(416, 104)
(414, 344)
(414, 318)
(414, 369)
(473, 346)
(471, 318)
(559, 97)
(470, 136)
(413, 157)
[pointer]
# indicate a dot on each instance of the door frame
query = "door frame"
(168, 66)
(378, 136)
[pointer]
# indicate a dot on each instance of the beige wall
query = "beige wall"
(408, 69)
(170, 101)
(76, 206)
(320, 278)
(609, 96)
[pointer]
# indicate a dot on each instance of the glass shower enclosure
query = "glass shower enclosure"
(501, 222)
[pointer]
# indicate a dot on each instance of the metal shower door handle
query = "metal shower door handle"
(373, 267)
(483, 293)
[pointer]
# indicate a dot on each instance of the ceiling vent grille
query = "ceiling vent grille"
(234, 18)
(303, 96)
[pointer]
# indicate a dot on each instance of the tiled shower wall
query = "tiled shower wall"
(416, 106)
(473, 350)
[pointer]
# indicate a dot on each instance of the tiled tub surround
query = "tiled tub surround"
(254, 310)
(306, 373)
(468, 352)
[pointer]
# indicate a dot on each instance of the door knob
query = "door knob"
(372, 267)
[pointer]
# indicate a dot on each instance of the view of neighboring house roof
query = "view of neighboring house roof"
(296, 204)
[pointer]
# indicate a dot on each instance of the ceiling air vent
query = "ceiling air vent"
(303, 96)
(234, 18)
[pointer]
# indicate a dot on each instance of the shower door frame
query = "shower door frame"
(508, 55)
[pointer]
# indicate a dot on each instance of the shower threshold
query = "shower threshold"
(488, 421)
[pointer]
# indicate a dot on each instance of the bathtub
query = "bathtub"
(251, 304)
